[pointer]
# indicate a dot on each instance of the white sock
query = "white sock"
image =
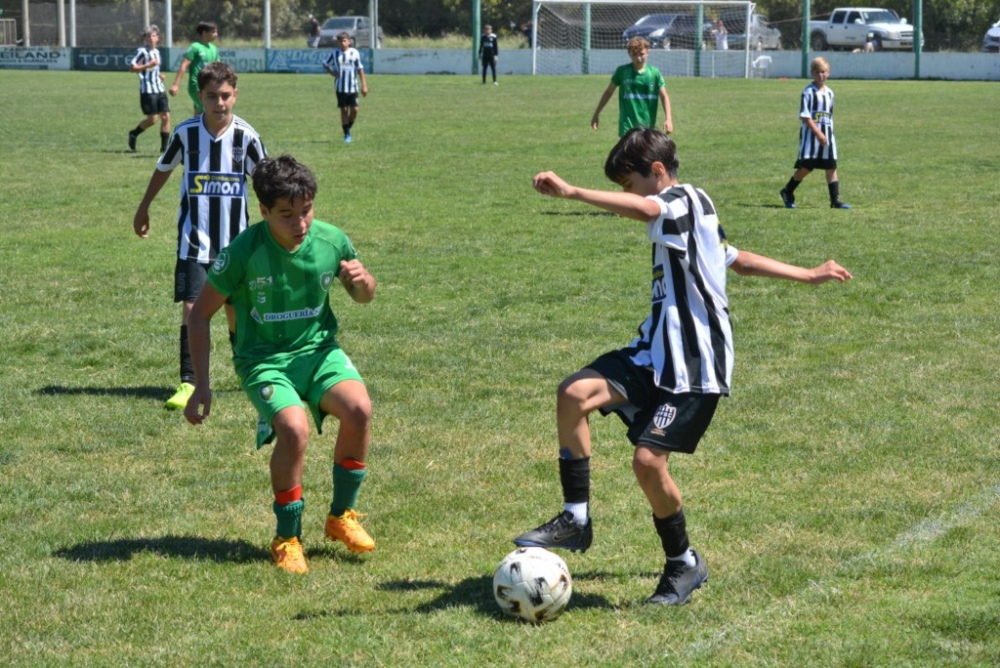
(579, 511)
(687, 557)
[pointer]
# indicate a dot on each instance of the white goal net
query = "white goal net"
(685, 38)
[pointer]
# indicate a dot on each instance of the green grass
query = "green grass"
(845, 497)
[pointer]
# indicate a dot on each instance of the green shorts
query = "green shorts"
(302, 382)
(193, 92)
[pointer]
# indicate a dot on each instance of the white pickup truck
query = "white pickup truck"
(849, 28)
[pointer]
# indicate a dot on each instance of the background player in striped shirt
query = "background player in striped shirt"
(199, 54)
(344, 65)
(219, 151)
(665, 385)
(817, 144)
(152, 94)
(278, 274)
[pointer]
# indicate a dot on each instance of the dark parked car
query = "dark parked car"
(668, 31)
(650, 26)
(762, 34)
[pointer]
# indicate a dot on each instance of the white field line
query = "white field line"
(786, 608)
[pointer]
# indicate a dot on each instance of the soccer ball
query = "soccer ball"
(532, 584)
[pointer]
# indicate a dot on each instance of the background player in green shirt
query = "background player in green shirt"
(640, 86)
(198, 55)
(278, 274)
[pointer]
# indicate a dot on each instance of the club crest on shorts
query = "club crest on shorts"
(266, 392)
(665, 414)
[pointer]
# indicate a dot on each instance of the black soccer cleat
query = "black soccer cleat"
(839, 205)
(561, 532)
(788, 198)
(679, 581)
(131, 140)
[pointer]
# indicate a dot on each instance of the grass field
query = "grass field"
(845, 498)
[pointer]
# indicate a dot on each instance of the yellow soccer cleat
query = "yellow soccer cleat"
(288, 555)
(180, 398)
(346, 528)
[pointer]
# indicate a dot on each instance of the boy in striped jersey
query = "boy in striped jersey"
(278, 275)
(665, 385)
(219, 151)
(817, 145)
(152, 94)
(344, 65)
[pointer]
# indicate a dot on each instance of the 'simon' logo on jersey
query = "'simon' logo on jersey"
(224, 185)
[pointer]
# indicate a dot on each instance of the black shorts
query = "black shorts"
(189, 279)
(154, 103)
(815, 163)
(347, 100)
(654, 416)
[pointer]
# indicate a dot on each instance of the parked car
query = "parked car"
(762, 34)
(991, 40)
(850, 28)
(358, 27)
(668, 31)
(650, 26)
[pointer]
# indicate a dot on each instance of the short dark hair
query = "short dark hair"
(341, 36)
(216, 72)
(206, 26)
(637, 151)
(284, 176)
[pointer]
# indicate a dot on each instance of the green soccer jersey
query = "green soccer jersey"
(638, 97)
(281, 298)
(200, 55)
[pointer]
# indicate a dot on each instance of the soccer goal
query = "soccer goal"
(685, 37)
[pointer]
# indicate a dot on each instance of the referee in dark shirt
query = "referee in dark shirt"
(488, 52)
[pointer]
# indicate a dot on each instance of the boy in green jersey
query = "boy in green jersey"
(640, 86)
(278, 274)
(198, 55)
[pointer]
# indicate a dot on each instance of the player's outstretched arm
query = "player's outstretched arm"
(624, 204)
(751, 264)
(180, 74)
(209, 301)
(360, 284)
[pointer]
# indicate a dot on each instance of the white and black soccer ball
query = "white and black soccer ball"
(532, 584)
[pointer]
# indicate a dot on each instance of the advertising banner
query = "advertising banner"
(241, 60)
(306, 61)
(35, 58)
(103, 59)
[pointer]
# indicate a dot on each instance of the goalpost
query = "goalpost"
(589, 37)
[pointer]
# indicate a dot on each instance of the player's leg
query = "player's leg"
(833, 186)
(189, 277)
(193, 94)
(164, 124)
(674, 422)
(579, 395)
(493, 69)
(485, 65)
(788, 192)
(147, 104)
(345, 397)
(284, 420)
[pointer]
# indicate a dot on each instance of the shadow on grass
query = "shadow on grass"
(185, 547)
(477, 593)
(139, 392)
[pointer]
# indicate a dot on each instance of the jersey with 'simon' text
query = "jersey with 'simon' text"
(817, 104)
(687, 340)
(149, 79)
(281, 298)
(346, 64)
(214, 193)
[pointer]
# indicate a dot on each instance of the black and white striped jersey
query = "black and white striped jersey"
(687, 340)
(346, 64)
(215, 191)
(817, 104)
(149, 80)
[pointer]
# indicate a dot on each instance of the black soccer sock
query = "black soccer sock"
(791, 186)
(138, 130)
(187, 365)
(574, 474)
(673, 533)
(164, 139)
(834, 188)
(347, 128)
